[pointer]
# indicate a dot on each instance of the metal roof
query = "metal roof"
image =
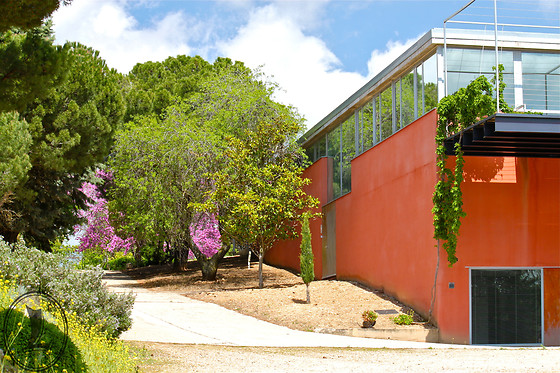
(420, 51)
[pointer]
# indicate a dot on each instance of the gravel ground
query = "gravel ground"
(159, 357)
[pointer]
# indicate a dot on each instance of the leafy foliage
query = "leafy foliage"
(165, 163)
(26, 14)
(14, 148)
(30, 66)
(88, 344)
(456, 112)
(259, 192)
(404, 318)
(52, 338)
(79, 292)
(71, 131)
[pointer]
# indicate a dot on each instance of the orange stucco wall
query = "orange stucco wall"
(286, 253)
(384, 226)
(512, 221)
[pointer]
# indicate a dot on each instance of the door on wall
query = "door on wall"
(329, 240)
(506, 306)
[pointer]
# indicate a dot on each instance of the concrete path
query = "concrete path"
(172, 318)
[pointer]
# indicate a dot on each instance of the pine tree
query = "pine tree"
(306, 256)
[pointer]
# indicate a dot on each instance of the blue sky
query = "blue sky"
(319, 51)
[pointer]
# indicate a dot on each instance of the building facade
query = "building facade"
(374, 171)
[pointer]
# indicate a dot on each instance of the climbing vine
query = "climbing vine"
(455, 113)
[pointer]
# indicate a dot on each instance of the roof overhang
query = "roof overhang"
(510, 135)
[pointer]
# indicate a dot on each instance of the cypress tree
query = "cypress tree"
(306, 256)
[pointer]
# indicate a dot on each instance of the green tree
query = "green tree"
(164, 163)
(30, 66)
(162, 155)
(71, 130)
(258, 194)
(306, 257)
(27, 14)
(152, 87)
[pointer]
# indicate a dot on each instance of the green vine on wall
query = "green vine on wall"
(455, 113)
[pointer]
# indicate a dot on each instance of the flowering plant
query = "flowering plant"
(97, 232)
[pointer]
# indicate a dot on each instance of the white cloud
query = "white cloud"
(302, 65)
(274, 36)
(121, 41)
(381, 59)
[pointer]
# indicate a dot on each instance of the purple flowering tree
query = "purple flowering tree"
(97, 232)
(205, 234)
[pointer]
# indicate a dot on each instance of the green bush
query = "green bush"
(79, 291)
(151, 255)
(93, 258)
(404, 318)
(52, 340)
(119, 261)
(100, 353)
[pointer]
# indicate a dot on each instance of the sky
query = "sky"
(318, 51)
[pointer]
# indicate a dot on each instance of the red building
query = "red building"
(374, 172)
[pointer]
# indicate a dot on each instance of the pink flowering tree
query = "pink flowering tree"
(205, 234)
(97, 232)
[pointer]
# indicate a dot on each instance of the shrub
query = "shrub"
(151, 255)
(404, 318)
(120, 260)
(79, 291)
(89, 345)
(52, 339)
(92, 258)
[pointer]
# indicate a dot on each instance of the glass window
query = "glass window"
(407, 99)
(429, 84)
(321, 147)
(367, 126)
(465, 65)
(348, 152)
(333, 142)
(398, 103)
(360, 131)
(310, 153)
(541, 81)
(376, 119)
(386, 113)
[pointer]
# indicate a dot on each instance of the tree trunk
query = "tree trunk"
(261, 256)
(209, 268)
(308, 295)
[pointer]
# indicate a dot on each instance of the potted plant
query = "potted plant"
(369, 318)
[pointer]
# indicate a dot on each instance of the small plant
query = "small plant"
(369, 315)
(404, 318)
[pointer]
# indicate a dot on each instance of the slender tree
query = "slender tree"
(306, 257)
